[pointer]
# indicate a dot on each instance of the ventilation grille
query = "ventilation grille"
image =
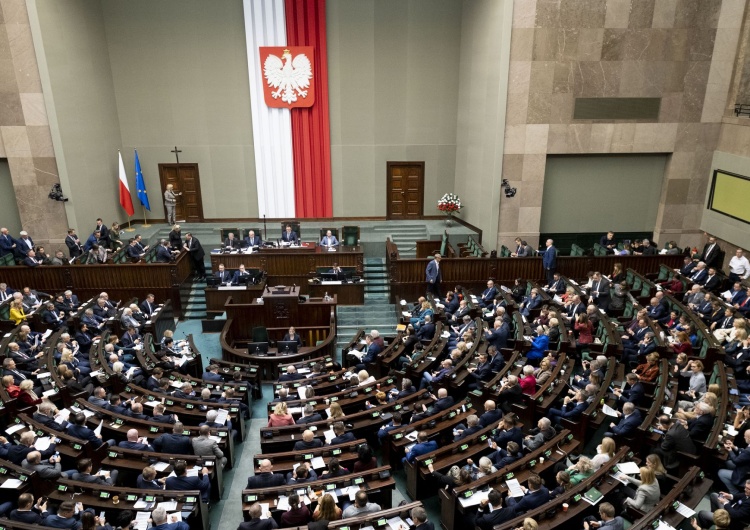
(617, 109)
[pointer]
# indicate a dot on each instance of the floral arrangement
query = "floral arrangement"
(449, 204)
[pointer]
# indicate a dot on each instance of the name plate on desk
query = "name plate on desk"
(331, 282)
(232, 288)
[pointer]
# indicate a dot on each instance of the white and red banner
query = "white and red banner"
(288, 70)
(126, 201)
(288, 76)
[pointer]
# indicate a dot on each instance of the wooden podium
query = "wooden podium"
(281, 306)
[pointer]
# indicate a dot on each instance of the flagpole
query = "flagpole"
(145, 219)
(130, 225)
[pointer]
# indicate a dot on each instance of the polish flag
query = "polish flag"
(125, 200)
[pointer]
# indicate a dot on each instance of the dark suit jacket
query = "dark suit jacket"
(309, 419)
(491, 417)
(532, 500)
(426, 331)
(699, 427)
(635, 394)
(190, 483)
(212, 377)
(34, 517)
(234, 243)
(258, 524)
(163, 255)
(196, 250)
(302, 445)
(291, 237)
(344, 438)
(84, 433)
(255, 242)
(627, 426)
(173, 443)
(433, 274)
(265, 480)
(225, 276)
(712, 283)
(499, 337)
(711, 259)
(487, 520)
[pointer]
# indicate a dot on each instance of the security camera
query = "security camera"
(56, 194)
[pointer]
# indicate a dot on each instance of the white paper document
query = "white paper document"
(282, 503)
(11, 483)
(168, 506)
(15, 428)
(609, 411)
(396, 523)
(629, 468)
(160, 466)
(685, 511)
(475, 499)
(514, 488)
(98, 430)
(42, 444)
(221, 416)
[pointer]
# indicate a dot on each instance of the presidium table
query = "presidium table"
(292, 266)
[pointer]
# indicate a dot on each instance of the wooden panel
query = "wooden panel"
(407, 276)
(121, 282)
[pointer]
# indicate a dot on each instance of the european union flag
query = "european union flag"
(140, 185)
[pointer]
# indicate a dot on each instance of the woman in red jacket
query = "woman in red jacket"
(585, 329)
(528, 381)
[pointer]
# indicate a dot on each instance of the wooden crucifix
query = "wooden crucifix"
(177, 154)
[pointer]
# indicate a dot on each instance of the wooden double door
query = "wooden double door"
(405, 190)
(186, 179)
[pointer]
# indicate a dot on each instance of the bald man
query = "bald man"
(265, 478)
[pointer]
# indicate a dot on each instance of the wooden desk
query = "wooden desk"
(347, 293)
(216, 297)
(289, 266)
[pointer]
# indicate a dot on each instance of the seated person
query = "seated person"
(288, 236)
(329, 240)
(224, 275)
(292, 335)
(182, 482)
(251, 240)
(231, 243)
(241, 273)
(29, 512)
(147, 480)
(307, 442)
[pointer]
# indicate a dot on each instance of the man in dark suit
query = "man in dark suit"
(73, 244)
(7, 243)
(342, 436)
(231, 242)
(497, 361)
(148, 306)
(423, 446)
(135, 442)
(634, 392)
(212, 374)
(65, 517)
(737, 467)
(433, 276)
(631, 419)
(462, 431)
(255, 522)
(557, 286)
(164, 255)
(491, 511)
(699, 274)
(700, 426)
(291, 374)
(395, 423)
(289, 236)
(308, 441)
(194, 249)
(9, 368)
(491, 414)
(103, 232)
(131, 338)
(79, 430)
(407, 389)
(175, 443)
(252, 240)
(419, 517)
(240, 273)
(309, 415)
(85, 466)
(45, 416)
(160, 519)
(481, 373)
(265, 478)
(372, 349)
(713, 282)
(450, 303)
(599, 293)
(736, 505)
(18, 453)
(675, 439)
(711, 253)
(549, 261)
(534, 496)
(572, 408)
(510, 392)
(30, 513)
(31, 260)
(488, 295)
(181, 482)
(498, 336)
(442, 402)
(24, 245)
(223, 275)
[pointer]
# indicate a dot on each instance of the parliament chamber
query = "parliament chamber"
(415, 265)
(354, 408)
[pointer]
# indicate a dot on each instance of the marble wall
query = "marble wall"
(25, 138)
(682, 51)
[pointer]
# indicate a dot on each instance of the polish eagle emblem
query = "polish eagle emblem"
(288, 76)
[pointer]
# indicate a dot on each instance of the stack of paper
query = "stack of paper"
(514, 488)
